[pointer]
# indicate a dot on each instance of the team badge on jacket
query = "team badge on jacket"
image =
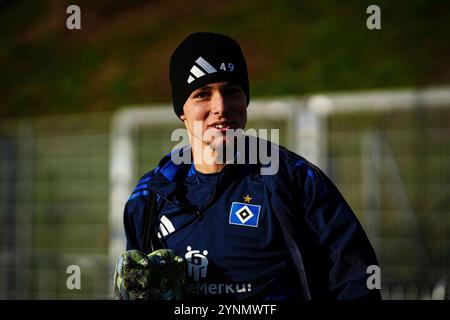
(244, 214)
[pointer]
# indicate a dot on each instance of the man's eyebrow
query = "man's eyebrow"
(204, 88)
(227, 84)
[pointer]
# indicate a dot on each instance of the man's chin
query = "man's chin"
(218, 143)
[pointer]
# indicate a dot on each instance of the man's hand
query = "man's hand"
(158, 276)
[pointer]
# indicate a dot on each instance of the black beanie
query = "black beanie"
(202, 58)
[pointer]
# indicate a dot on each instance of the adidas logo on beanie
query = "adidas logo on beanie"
(203, 58)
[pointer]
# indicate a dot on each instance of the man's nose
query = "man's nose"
(218, 103)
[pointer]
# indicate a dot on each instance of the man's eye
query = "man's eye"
(201, 95)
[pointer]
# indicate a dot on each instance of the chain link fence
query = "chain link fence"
(59, 205)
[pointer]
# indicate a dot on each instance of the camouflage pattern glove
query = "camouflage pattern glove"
(157, 276)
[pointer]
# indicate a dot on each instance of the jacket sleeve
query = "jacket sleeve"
(133, 220)
(134, 217)
(342, 252)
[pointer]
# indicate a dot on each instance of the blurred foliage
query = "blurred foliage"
(121, 54)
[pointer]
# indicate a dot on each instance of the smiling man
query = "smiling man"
(208, 114)
(289, 235)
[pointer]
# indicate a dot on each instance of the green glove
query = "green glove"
(157, 276)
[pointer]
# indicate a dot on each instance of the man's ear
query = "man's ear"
(183, 117)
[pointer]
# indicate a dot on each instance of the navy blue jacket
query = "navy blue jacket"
(327, 244)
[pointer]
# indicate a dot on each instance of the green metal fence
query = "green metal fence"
(55, 182)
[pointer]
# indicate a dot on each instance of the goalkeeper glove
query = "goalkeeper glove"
(157, 276)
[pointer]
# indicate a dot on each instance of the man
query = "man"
(242, 234)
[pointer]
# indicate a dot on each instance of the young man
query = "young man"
(288, 235)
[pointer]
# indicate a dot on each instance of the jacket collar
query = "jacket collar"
(171, 171)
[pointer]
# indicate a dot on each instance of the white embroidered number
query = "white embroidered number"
(224, 67)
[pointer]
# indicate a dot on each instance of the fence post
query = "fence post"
(120, 177)
(311, 132)
(370, 184)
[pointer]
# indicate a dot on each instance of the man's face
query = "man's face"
(215, 108)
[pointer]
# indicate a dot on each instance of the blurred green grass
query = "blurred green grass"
(120, 56)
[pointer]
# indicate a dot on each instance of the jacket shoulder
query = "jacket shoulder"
(141, 189)
(293, 166)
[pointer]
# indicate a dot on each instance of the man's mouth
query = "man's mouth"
(222, 126)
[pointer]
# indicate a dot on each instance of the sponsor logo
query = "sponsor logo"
(218, 288)
(198, 263)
